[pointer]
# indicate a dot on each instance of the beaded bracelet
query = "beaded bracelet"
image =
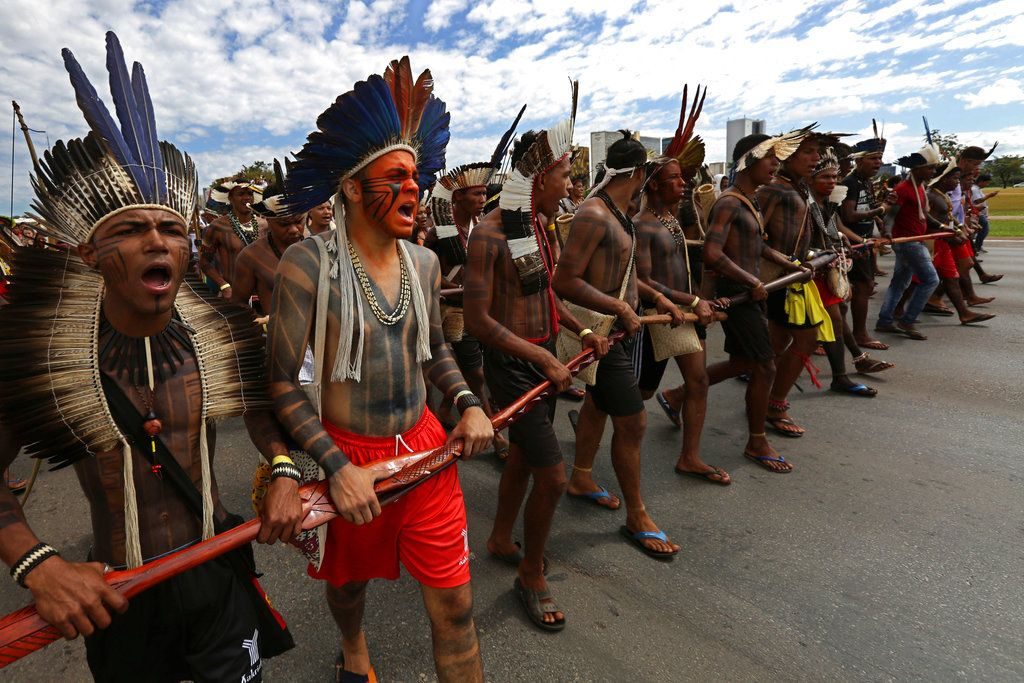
(285, 470)
(30, 560)
(278, 459)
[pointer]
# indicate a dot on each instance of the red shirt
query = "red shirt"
(910, 221)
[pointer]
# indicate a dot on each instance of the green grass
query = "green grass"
(1009, 202)
(1012, 228)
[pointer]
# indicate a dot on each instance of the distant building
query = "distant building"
(737, 129)
(716, 167)
(651, 144)
(599, 143)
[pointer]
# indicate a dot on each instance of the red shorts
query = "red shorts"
(962, 251)
(425, 529)
(944, 262)
(828, 297)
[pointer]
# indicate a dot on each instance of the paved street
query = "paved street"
(893, 551)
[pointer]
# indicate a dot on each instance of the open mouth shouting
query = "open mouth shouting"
(157, 278)
(407, 210)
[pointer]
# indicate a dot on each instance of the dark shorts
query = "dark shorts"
(467, 353)
(508, 378)
(651, 371)
(200, 625)
(746, 327)
(775, 306)
(861, 269)
(617, 390)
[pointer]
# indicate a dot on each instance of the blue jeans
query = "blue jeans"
(912, 260)
(979, 238)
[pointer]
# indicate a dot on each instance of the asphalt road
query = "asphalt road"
(893, 551)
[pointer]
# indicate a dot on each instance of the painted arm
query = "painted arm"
(244, 285)
(207, 250)
(72, 596)
(474, 427)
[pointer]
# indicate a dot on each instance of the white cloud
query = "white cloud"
(1002, 91)
(228, 83)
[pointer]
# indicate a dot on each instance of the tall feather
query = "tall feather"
(989, 153)
(128, 113)
(398, 76)
(927, 130)
(152, 140)
(278, 173)
(574, 87)
(421, 93)
(874, 127)
(685, 128)
(505, 141)
(99, 118)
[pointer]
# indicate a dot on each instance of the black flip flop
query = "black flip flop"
(706, 476)
(773, 422)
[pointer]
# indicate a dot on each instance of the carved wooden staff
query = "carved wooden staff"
(819, 261)
(24, 631)
(904, 240)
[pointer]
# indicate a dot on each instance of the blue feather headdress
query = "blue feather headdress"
(379, 115)
(119, 165)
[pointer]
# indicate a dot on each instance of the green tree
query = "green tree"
(1008, 169)
(947, 142)
(258, 171)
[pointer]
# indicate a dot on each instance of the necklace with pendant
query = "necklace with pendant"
(671, 224)
(246, 234)
(147, 360)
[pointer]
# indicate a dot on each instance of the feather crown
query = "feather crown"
(686, 148)
(829, 162)
(119, 165)
(782, 145)
(271, 203)
(379, 115)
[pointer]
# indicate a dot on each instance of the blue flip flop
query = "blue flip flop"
(594, 497)
(672, 415)
(855, 389)
(762, 459)
(638, 537)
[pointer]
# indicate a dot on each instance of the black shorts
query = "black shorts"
(508, 378)
(651, 371)
(775, 306)
(200, 625)
(617, 390)
(861, 268)
(467, 353)
(746, 327)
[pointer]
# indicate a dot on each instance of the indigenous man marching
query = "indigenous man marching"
(909, 217)
(227, 235)
(596, 273)
(862, 213)
(456, 205)
(733, 251)
(785, 203)
(257, 263)
(511, 308)
(662, 260)
(366, 299)
(828, 234)
(129, 398)
(941, 209)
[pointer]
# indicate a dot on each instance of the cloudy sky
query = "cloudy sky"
(236, 82)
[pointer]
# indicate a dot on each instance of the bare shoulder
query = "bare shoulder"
(250, 253)
(424, 259)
